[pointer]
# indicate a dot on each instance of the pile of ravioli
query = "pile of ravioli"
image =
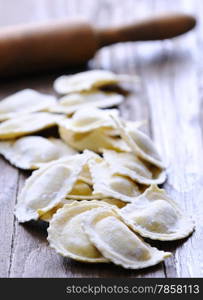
(96, 184)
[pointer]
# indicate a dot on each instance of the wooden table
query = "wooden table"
(169, 97)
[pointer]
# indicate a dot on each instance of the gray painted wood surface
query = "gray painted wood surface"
(169, 97)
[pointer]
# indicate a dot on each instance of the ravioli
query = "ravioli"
(81, 190)
(85, 175)
(116, 202)
(131, 124)
(95, 140)
(25, 101)
(117, 242)
(128, 164)
(47, 216)
(114, 186)
(84, 81)
(88, 119)
(30, 152)
(154, 215)
(92, 129)
(27, 124)
(48, 186)
(139, 143)
(72, 102)
(68, 238)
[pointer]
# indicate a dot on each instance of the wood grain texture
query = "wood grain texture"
(169, 97)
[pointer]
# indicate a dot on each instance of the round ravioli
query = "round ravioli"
(84, 81)
(30, 152)
(139, 143)
(66, 235)
(117, 242)
(72, 102)
(26, 124)
(154, 215)
(128, 164)
(25, 101)
(114, 186)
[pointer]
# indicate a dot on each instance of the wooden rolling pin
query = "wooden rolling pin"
(31, 48)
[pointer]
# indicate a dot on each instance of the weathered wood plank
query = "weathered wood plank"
(8, 191)
(170, 79)
(168, 97)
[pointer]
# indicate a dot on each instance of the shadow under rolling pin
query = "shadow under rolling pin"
(30, 48)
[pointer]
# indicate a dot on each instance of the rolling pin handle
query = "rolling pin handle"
(156, 28)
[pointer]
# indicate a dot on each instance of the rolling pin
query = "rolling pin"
(37, 47)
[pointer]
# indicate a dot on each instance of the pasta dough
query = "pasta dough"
(156, 216)
(88, 119)
(27, 124)
(47, 216)
(94, 140)
(84, 81)
(128, 164)
(92, 129)
(48, 186)
(97, 206)
(25, 101)
(66, 235)
(31, 151)
(139, 143)
(115, 186)
(118, 203)
(81, 190)
(75, 101)
(85, 175)
(117, 242)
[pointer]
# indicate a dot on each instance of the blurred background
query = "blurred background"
(102, 12)
(158, 59)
